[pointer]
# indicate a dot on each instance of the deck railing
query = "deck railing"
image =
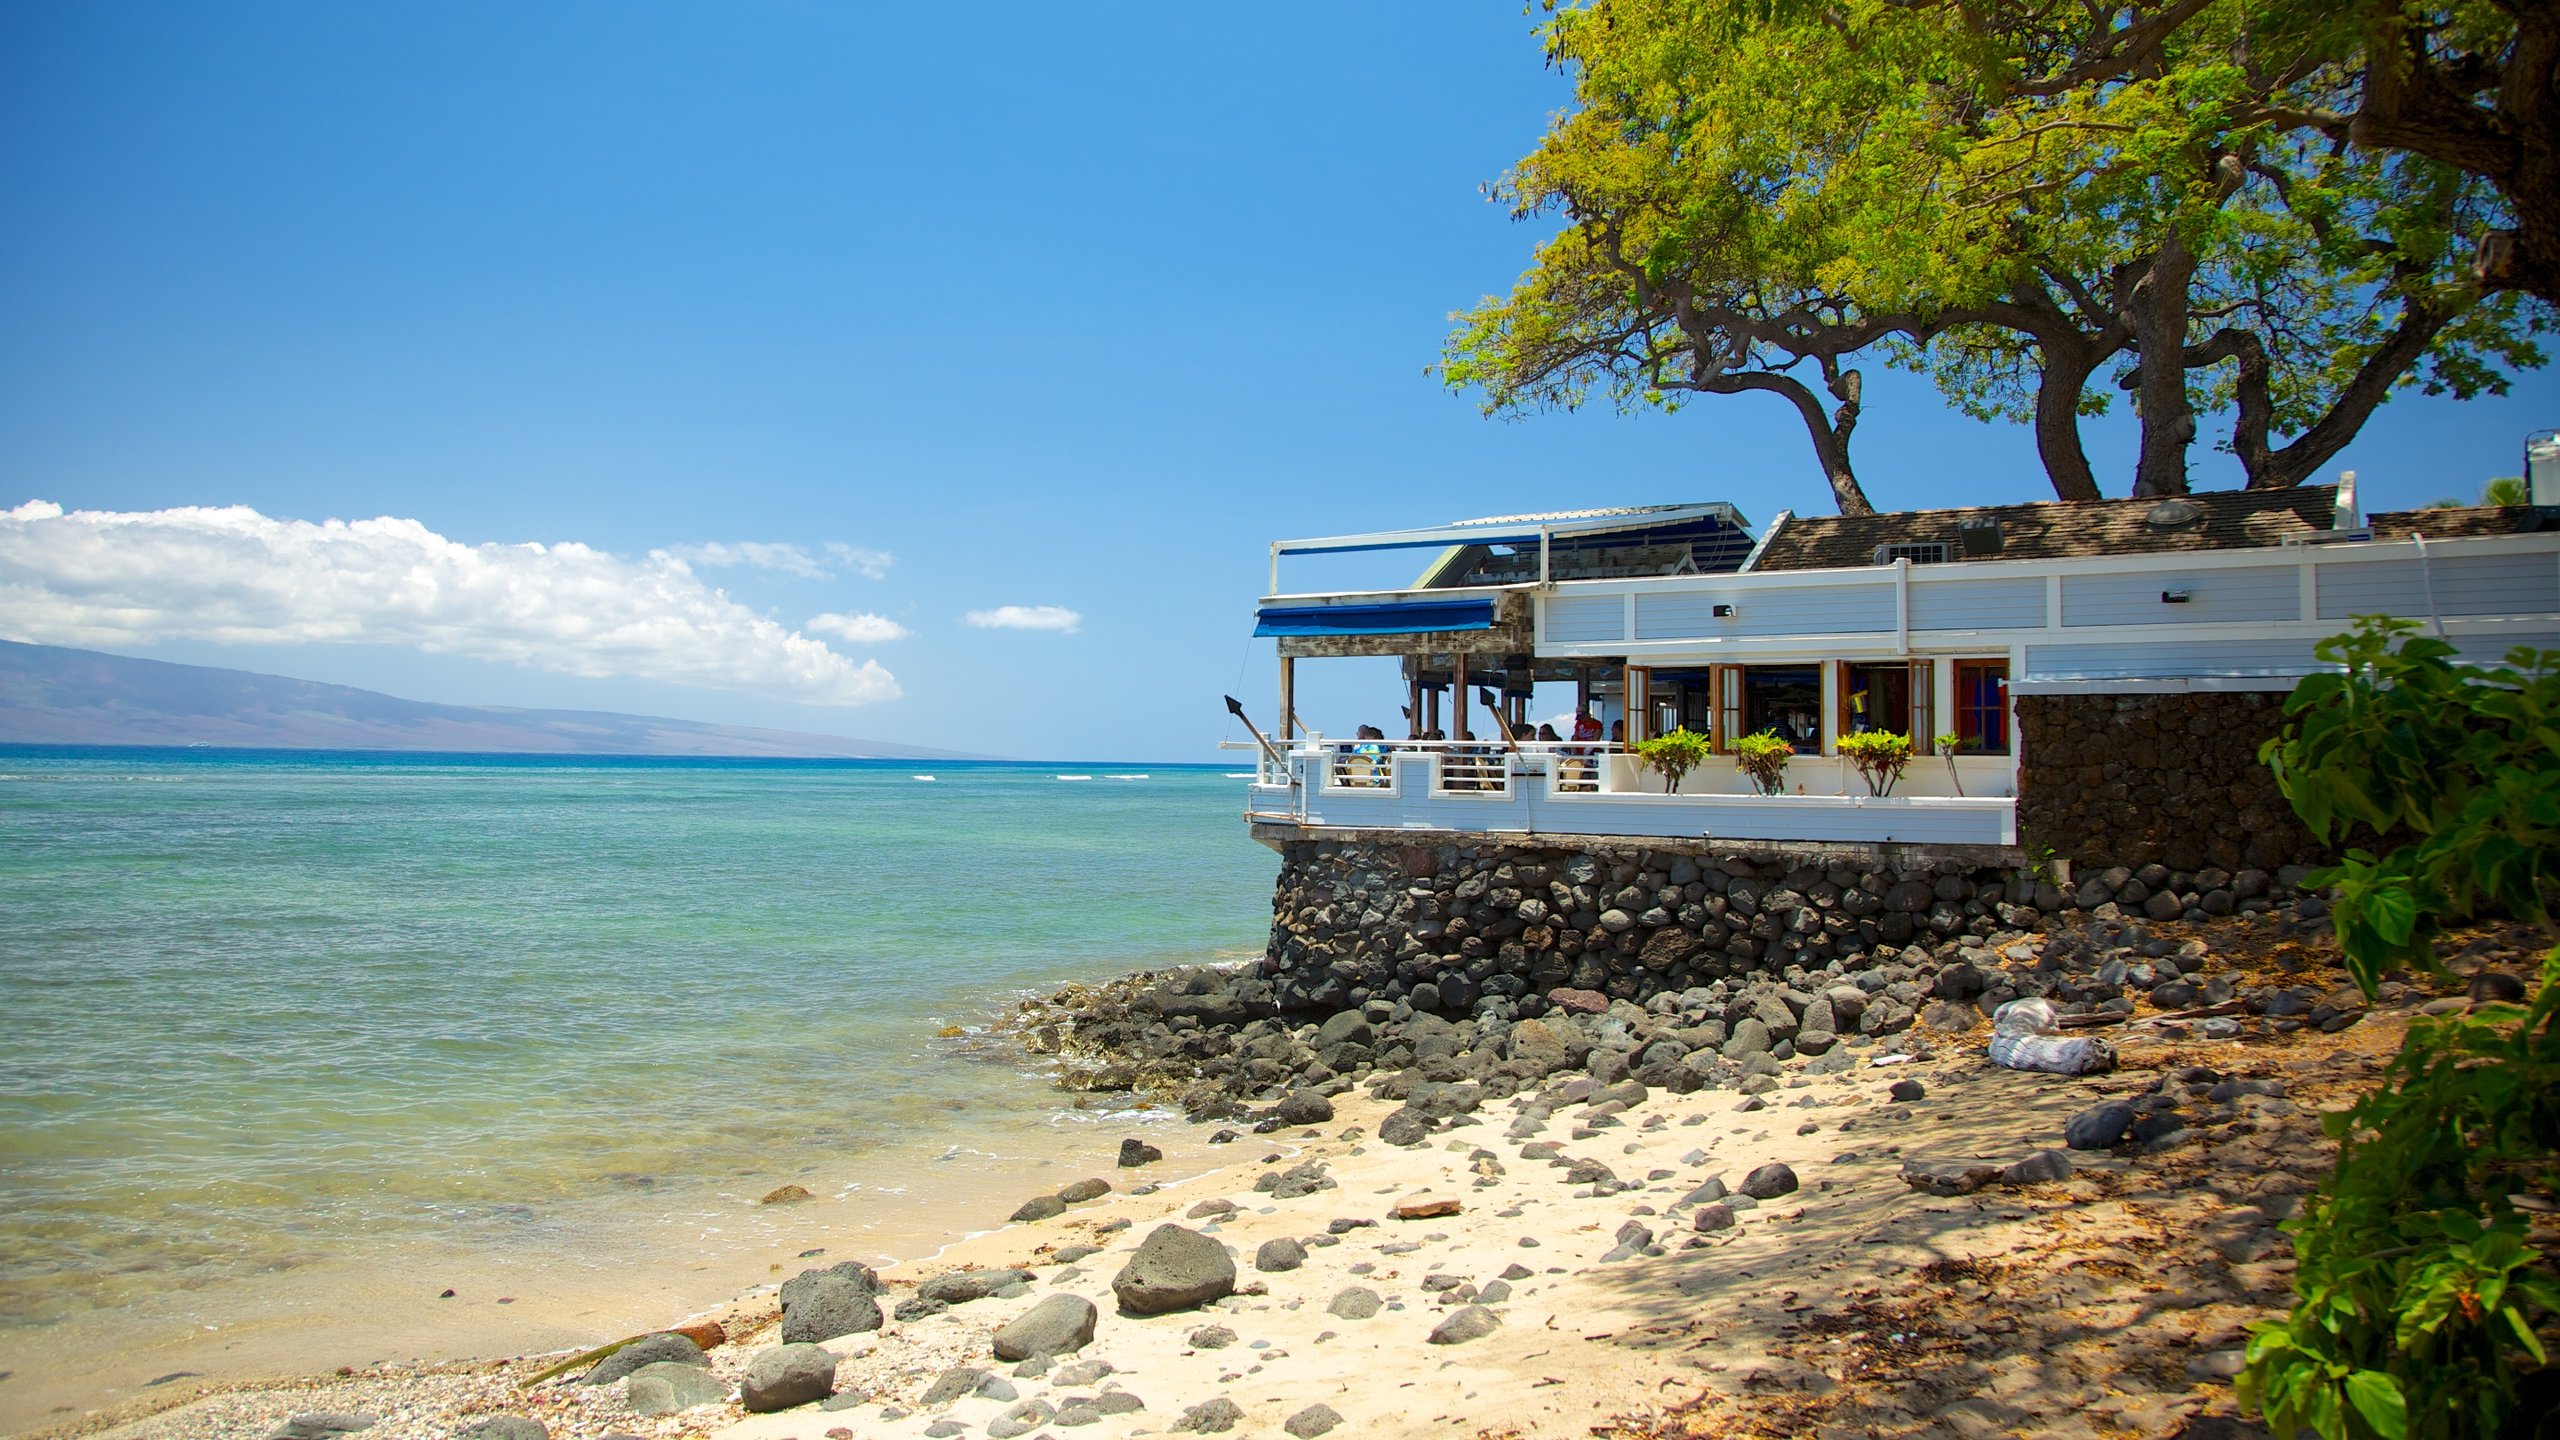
(1563, 787)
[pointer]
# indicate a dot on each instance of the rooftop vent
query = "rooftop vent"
(1979, 537)
(2172, 515)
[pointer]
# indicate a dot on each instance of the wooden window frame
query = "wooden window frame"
(1967, 712)
(1725, 683)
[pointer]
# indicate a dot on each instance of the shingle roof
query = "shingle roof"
(2454, 522)
(2223, 520)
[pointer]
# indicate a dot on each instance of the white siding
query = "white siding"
(1585, 619)
(2465, 585)
(2169, 659)
(2258, 592)
(2492, 649)
(1766, 611)
(1977, 604)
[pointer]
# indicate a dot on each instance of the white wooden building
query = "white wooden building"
(1927, 624)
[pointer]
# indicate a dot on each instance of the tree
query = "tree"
(2472, 85)
(2008, 199)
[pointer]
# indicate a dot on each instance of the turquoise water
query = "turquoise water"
(262, 1008)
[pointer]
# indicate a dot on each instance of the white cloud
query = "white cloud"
(782, 556)
(873, 564)
(864, 629)
(235, 576)
(1028, 617)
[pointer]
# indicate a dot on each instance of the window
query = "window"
(1787, 699)
(1875, 697)
(1982, 706)
(1924, 552)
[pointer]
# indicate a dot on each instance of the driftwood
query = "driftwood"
(2085, 1022)
(709, 1334)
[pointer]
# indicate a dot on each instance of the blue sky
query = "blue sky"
(1057, 308)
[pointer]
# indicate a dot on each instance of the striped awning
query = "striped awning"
(1417, 617)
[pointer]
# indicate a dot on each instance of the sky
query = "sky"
(927, 374)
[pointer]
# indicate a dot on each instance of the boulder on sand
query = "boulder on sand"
(824, 1304)
(1056, 1325)
(1304, 1107)
(788, 1375)
(1472, 1323)
(1769, 1182)
(666, 1387)
(1174, 1269)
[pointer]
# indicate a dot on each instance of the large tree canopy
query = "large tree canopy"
(2012, 199)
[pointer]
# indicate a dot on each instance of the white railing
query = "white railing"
(1564, 788)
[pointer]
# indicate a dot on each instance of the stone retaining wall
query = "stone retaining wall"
(1444, 927)
(2174, 780)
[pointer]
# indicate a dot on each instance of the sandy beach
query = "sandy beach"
(1622, 1282)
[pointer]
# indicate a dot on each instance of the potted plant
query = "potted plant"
(1880, 755)
(1673, 756)
(1948, 744)
(1764, 758)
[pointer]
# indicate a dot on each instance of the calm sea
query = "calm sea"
(260, 1010)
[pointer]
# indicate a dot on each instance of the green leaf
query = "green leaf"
(2377, 1398)
(2523, 1329)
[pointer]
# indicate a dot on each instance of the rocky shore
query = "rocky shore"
(1802, 1203)
(1676, 971)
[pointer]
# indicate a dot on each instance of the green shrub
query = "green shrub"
(2455, 767)
(2422, 1303)
(1764, 758)
(1880, 755)
(1674, 755)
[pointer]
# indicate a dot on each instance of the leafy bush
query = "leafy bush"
(1674, 756)
(2456, 767)
(1764, 758)
(1880, 755)
(2422, 1302)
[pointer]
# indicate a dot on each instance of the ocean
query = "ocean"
(386, 1017)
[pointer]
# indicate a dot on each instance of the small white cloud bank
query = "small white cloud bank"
(864, 629)
(1057, 618)
(785, 558)
(231, 575)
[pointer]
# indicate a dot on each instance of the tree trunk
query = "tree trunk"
(2066, 374)
(2160, 379)
(1830, 433)
(2272, 468)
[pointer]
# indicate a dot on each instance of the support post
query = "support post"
(1413, 725)
(1288, 694)
(1458, 695)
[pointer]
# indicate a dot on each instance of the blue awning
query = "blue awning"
(1392, 619)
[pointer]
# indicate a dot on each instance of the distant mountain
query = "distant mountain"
(54, 696)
